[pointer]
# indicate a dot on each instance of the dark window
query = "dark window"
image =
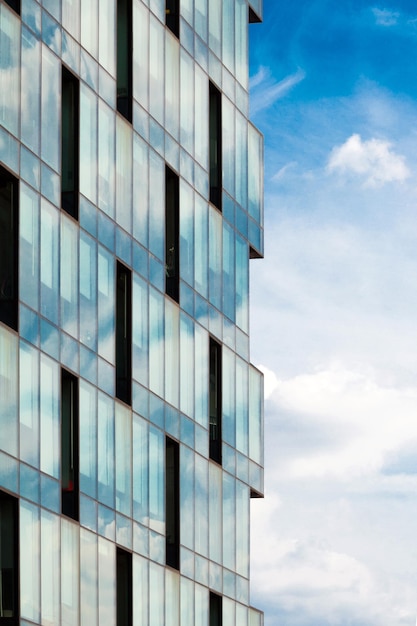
(124, 334)
(172, 16)
(9, 207)
(124, 58)
(172, 239)
(69, 142)
(172, 502)
(9, 560)
(215, 138)
(124, 588)
(215, 393)
(69, 445)
(15, 5)
(216, 617)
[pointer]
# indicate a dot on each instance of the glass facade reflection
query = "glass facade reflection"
(131, 418)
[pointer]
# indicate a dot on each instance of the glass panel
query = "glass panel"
(186, 232)
(201, 376)
(156, 595)
(50, 109)
(141, 53)
(228, 271)
(69, 573)
(50, 416)
(228, 399)
(242, 430)
(140, 470)
(69, 276)
(156, 201)
(201, 18)
(29, 247)
(156, 342)
(215, 513)
(29, 548)
(215, 258)
(107, 37)
(49, 262)
(106, 305)
(187, 101)
(106, 158)
(10, 70)
(140, 583)
(172, 86)
(215, 26)
(229, 34)
(107, 587)
(201, 505)
(140, 331)
(242, 42)
(241, 160)
(187, 497)
(124, 174)
(105, 452)
(89, 578)
(140, 191)
(255, 415)
(88, 145)
(171, 353)
(30, 90)
(187, 365)
(242, 284)
(8, 391)
(201, 606)
(29, 404)
(89, 26)
(201, 246)
(88, 439)
(229, 522)
(172, 594)
(71, 17)
(156, 70)
(229, 147)
(50, 575)
(123, 459)
(156, 480)
(88, 291)
(201, 118)
(242, 529)
(255, 172)
(187, 601)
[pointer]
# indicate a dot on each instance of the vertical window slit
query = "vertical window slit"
(9, 208)
(69, 143)
(124, 58)
(124, 334)
(9, 559)
(216, 617)
(215, 145)
(172, 239)
(172, 16)
(69, 445)
(124, 587)
(215, 400)
(172, 500)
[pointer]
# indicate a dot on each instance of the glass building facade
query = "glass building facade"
(131, 418)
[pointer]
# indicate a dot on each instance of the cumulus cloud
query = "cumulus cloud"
(385, 17)
(373, 160)
(266, 90)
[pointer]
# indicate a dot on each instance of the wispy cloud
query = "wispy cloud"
(373, 160)
(266, 90)
(385, 17)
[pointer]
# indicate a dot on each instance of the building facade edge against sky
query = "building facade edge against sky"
(131, 421)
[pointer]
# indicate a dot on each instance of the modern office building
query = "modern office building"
(131, 436)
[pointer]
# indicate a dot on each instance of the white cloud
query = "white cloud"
(266, 91)
(385, 17)
(374, 161)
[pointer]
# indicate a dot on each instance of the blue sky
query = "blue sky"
(334, 312)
